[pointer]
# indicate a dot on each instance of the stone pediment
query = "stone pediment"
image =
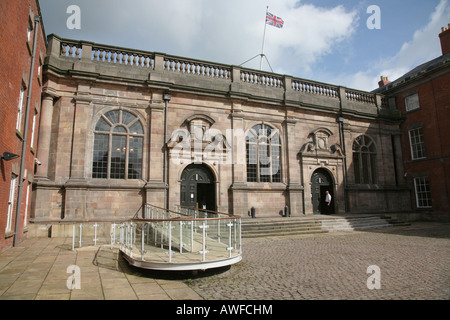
(319, 144)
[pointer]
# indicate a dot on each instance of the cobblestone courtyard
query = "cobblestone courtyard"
(414, 263)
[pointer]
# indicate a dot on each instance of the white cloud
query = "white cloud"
(423, 46)
(223, 31)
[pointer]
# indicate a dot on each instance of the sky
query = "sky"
(347, 43)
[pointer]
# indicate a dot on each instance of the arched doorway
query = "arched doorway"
(321, 181)
(198, 187)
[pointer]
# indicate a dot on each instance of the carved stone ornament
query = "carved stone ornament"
(319, 143)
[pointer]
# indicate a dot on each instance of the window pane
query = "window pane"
(135, 158)
(417, 143)
(102, 125)
(251, 137)
(264, 162)
(356, 167)
(127, 117)
(365, 167)
(113, 116)
(276, 163)
(136, 128)
(252, 162)
(423, 194)
(412, 102)
(120, 129)
(118, 154)
(100, 160)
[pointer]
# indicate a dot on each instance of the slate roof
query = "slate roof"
(416, 72)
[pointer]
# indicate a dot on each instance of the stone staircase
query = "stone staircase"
(266, 227)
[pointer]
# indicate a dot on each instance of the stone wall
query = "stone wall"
(86, 80)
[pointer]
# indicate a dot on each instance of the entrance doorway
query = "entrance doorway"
(321, 182)
(198, 187)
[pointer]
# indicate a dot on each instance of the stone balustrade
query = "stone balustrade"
(254, 82)
(196, 68)
(261, 78)
(315, 88)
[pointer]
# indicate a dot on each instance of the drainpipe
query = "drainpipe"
(166, 98)
(25, 134)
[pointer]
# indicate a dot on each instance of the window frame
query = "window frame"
(20, 108)
(423, 195)
(364, 161)
(11, 199)
(120, 138)
(413, 106)
(414, 146)
(270, 147)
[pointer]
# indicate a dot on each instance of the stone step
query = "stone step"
(263, 227)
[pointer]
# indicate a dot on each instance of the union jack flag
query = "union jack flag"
(274, 21)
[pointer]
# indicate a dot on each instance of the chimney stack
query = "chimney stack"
(383, 81)
(445, 39)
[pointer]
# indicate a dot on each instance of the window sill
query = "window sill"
(9, 234)
(19, 135)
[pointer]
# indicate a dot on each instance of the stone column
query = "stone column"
(82, 123)
(76, 188)
(238, 189)
(155, 186)
(45, 130)
(398, 158)
(292, 169)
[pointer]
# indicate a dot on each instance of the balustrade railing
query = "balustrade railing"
(315, 88)
(261, 78)
(198, 68)
(184, 239)
(360, 96)
(123, 57)
(214, 71)
(71, 49)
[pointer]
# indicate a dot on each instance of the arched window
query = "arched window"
(364, 160)
(118, 142)
(263, 147)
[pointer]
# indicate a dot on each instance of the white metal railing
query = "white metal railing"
(183, 236)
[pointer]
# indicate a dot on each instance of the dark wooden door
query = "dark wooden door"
(320, 183)
(198, 187)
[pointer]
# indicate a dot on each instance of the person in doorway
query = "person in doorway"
(327, 202)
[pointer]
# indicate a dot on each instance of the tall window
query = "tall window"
(364, 160)
(20, 109)
(33, 130)
(417, 143)
(12, 192)
(118, 143)
(263, 147)
(423, 194)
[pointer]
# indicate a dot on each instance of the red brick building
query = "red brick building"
(423, 97)
(23, 45)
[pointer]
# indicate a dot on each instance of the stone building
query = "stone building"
(121, 128)
(22, 43)
(422, 96)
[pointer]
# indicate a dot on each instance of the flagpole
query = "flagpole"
(264, 38)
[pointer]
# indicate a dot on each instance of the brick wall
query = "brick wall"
(433, 116)
(16, 53)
